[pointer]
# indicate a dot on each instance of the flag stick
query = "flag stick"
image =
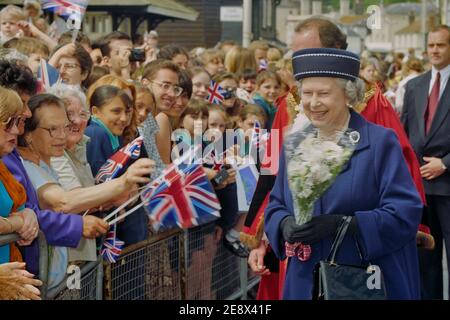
(157, 180)
(123, 216)
(74, 35)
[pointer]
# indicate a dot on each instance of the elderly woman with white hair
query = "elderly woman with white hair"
(373, 194)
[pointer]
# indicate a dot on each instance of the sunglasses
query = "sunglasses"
(11, 122)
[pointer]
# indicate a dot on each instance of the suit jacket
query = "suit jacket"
(375, 187)
(437, 142)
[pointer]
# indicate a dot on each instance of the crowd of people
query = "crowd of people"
(54, 141)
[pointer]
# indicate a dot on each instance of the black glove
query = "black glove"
(318, 228)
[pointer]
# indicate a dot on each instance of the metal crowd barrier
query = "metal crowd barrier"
(173, 265)
(43, 256)
(179, 265)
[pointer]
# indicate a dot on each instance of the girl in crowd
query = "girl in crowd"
(368, 71)
(148, 128)
(218, 122)
(145, 103)
(238, 59)
(213, 61)
(268, 85)
(201, 81)
(231, 103)
(111, 110)
(130, 131)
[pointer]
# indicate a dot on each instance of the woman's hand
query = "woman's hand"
(317, 229)
(139, 173)
(30, 227)
(18, 284)
(94, 227)
(256, 260)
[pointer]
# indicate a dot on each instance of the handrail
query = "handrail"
(8, 238)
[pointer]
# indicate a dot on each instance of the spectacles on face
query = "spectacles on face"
(83, 115)
(57, 132)
(12, 122)
(69, 66)
(168, 86)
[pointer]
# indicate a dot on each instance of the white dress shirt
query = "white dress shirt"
(445, 74)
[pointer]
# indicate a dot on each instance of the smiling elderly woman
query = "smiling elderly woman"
(12, 193)
(375, 188)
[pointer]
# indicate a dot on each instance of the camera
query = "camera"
(229, 93)
(137, 55)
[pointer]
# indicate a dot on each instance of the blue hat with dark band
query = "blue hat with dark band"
(325, 62)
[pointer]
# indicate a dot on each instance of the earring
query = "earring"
(349, 106)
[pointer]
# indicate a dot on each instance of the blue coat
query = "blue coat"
(375, 187)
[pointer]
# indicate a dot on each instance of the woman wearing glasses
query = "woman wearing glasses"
(12, 193)
(45, 137)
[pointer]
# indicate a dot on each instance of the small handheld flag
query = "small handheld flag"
(215, 93)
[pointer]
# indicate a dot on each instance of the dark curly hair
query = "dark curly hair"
(17, 77)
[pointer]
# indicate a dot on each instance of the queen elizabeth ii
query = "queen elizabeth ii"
(374, 187)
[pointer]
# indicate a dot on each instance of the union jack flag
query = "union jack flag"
(112, 167)
(112, 247)
(215, 93)
(183, 197)
(65, 7)
(47, 76)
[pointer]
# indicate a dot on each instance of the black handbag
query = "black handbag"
(333, 281)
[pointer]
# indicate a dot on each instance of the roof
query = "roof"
(408, 8)
(415, 27)
(169, 8)
(350, 20)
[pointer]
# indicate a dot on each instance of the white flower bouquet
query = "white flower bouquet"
(313, 163)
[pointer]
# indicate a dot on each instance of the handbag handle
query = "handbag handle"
(342, 231)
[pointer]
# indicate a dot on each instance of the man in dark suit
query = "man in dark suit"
(426, 117)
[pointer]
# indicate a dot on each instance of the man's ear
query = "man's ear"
(145, 81)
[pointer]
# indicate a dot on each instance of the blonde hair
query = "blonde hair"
(12, 11)
(273, 55)
(28, 45)
(212, 54)
(230, 121)
(267, 75)
(10, 104)
(255, 110)
(113, 81)
(259, 44)
(140, 88)
(238, 59)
